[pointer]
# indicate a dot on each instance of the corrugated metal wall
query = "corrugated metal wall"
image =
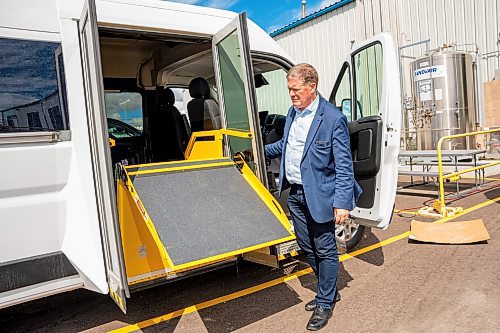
(325, 41)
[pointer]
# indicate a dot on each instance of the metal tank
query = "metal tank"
(443, 91)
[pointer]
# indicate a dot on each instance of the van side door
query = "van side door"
(368, 92)
(101, 156)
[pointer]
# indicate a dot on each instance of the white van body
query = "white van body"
(49, 204)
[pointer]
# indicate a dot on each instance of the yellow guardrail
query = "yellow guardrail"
(213, 148)
(440, 204)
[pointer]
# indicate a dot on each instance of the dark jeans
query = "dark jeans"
(317, 241)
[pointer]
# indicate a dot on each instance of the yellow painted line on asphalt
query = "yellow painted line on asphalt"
(275, 282)
(374, 246)
(468, 210)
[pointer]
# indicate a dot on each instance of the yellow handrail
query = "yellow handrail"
(454, 176)
(218, 136)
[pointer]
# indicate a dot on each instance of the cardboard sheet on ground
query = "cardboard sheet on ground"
(464, 232)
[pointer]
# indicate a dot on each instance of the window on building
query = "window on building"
(31, 84)
(56, 118)
(12, 121)
(34, 121)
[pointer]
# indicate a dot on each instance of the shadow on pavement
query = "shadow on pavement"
(241, 312)
(84, 310)
(375, 256)
(493, 194)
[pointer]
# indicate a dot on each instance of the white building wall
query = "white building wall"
(326, 40)
(323, 42)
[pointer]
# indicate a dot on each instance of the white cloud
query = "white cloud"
(189, 2)
(273, 27)
(295, 14)
(321, 5)
(285, 18)
(221, 4)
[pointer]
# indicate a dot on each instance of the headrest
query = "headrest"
(279, 126)
(166, 97)
(198, 88)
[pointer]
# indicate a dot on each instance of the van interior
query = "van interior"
(161, 88)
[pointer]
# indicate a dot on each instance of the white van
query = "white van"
(106, 185)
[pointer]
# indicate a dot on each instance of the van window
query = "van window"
(125, 108)
(272, 92)
(342, 96)
(367, 65)
(182, 98)
(32, 86)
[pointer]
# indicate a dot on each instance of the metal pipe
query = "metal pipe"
(303, 8)
(403, 109)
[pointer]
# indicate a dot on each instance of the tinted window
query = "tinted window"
(367, 65)
(118, 129)
(342, 97)
(32, 89)
(125, 107)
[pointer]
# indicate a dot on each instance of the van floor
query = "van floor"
(388, 285)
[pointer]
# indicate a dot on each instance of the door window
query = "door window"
(367, 66)
(32, 90)
(272, 92)
(342, 92)
(233, 90)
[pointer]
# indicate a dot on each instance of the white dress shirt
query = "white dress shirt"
(297, 136)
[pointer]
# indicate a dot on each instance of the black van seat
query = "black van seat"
(203, 112)
(168, 134)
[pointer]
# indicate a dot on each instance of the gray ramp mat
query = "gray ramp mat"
(179, 164)
(203, 213)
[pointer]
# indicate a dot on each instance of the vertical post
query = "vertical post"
(303, 8)
(440, 170)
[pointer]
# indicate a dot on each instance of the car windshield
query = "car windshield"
(124, 108)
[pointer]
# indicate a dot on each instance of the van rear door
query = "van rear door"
(101, 157)
(368, 92)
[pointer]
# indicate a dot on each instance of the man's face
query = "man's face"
(301, 94)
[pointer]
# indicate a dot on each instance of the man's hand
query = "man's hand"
(248, 155)
(340, 215)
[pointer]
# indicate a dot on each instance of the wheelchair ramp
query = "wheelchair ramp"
(209, 210)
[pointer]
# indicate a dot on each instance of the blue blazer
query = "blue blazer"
(326, 165)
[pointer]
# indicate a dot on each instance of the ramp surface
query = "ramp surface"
(206, 212)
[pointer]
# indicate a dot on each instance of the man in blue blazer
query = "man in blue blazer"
(316, 161)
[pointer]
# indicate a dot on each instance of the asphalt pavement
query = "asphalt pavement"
(389, 284)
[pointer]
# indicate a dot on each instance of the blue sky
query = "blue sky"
(269, 14)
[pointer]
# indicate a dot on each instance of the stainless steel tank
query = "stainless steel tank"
(443, 91)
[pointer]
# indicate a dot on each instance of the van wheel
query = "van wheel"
(352, 240)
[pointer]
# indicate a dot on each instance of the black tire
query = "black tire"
(353, 241)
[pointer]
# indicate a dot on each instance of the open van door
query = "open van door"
(101, 157)
(237, 100)
(368, 92)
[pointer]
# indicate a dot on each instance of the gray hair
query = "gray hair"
(304, 72)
